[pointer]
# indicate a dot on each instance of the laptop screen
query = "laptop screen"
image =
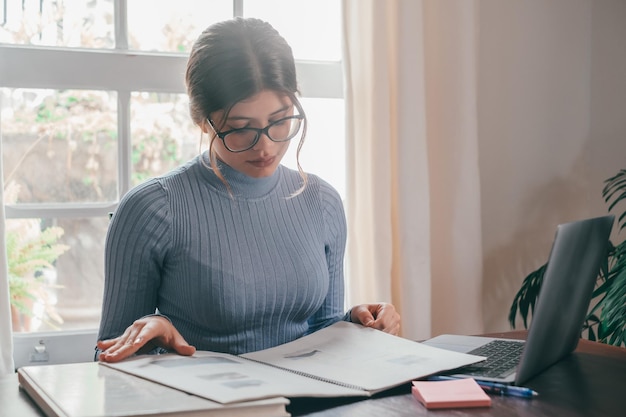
(572, 270)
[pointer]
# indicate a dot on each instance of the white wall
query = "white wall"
(552, 127)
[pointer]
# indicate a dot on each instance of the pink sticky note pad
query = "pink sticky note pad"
(457, 393)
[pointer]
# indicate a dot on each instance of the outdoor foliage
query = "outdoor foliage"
(31, 253)
(62, 147)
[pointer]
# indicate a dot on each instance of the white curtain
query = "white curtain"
(413, 181)
(6, 336)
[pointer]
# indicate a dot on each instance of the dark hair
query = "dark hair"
(234, 60)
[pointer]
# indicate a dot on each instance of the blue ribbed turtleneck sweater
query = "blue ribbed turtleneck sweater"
(233, 272)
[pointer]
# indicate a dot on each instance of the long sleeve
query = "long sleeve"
(235, 269)
(138, 240)
(335, 229)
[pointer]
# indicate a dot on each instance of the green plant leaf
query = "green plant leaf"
(591, 335)
(526, 297)
(621, 197)
(606, 318)
(28, 256)
(613, 303)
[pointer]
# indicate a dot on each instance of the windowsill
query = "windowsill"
(47, 348)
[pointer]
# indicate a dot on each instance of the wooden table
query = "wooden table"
(589, 382)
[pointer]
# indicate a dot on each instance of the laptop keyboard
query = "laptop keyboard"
(502, 359)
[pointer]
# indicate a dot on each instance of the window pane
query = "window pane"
(172, 26)
(312, 27)
(73, 23)
(56, 272)
(323, 153)
(163, 134)
(59, 146)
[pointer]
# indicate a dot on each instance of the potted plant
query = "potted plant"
(606, 319)
(31, 253)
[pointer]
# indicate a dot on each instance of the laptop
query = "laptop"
(577, 253)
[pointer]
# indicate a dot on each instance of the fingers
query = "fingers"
(125, 345)
(361, 314)
(185, 350)
(143, 335)
(388, 319)
(393, 329)
(381, 316)
(181, 346)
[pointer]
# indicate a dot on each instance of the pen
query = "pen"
(494, 387)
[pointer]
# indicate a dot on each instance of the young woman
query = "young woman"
(232, 252)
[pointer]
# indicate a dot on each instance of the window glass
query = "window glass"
(323, 152)
(71, 23)
(55, 272)
(312, 27)
(163, 134)
(71, 133)
(164, 137)
(172, 26)
(63, 146)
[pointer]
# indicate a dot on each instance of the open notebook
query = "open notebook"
(341, 360)
(86, 389)
(573, 266)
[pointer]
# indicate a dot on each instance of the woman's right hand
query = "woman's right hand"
(142, 336)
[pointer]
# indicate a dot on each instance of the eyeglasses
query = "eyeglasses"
(240, 140)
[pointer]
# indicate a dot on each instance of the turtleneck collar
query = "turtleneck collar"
(241, 185)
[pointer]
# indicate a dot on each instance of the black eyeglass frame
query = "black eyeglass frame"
(259, 132)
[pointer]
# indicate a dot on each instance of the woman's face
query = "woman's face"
(257, 111)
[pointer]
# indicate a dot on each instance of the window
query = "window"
(92, 102)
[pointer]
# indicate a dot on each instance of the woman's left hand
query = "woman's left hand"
(381, 316)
